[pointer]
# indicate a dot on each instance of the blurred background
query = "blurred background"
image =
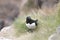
(14, 12)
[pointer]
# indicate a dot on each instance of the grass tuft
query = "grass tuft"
(46, 24)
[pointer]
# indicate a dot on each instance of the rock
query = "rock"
(56, 35)
(2, 38)
(8, 12)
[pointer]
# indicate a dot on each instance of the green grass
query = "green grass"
(46, 25)
(20, 27)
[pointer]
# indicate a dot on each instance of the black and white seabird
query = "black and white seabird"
(30, 23)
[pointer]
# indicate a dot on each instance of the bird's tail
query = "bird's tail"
(36, 20)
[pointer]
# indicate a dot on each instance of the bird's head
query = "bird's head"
(28, 18)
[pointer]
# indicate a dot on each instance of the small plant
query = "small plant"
(20, 26)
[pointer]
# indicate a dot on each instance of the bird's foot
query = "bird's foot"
(30, 30)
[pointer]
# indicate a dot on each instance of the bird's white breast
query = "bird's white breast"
(31, 26)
